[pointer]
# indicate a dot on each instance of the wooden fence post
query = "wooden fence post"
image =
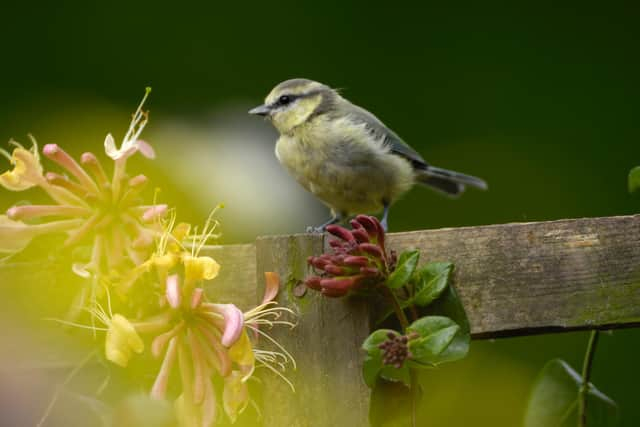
(325, 343)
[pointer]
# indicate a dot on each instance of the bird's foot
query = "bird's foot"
(315, 230)
(322, 227)
(385, 226)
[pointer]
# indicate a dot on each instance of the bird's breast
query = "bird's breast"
(344, 166)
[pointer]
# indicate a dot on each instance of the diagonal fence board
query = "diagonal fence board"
(519, 279)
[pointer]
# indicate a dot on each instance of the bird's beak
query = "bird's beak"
(262, 110)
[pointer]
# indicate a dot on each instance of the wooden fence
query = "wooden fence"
(513, 279)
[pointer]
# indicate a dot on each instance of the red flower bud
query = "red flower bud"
(340, 232)
(371, 249)
(369, 271)
(335, 270)
(356, 261)
(360, 235)
(318, 262)
(313, 282)
(369, 223)
(335, 243)
(344, 283)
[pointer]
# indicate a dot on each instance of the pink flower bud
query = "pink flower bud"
(154, 212)
(173, 291)
(138, 181)
(196, 298)
(61, 157)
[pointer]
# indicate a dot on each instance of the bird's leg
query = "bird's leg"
(385, 216)
(320, 228)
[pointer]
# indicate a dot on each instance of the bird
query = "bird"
(344, 155)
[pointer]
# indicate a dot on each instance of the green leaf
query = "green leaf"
(373, 360)
(554, 400)
(406, 266)
(436, 334)
(431, 281)
(448, 305)
(391, 404)
(634, 179)
(401, 374)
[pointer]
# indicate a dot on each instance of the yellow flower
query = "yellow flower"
(235, 396)
(122, 339)
(199, 268)
(242, 352)
(27, 170)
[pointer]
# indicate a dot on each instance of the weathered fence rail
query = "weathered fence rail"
(513, 279)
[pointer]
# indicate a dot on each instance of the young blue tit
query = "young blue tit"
(346, 156)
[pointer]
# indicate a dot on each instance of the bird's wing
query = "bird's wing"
(391, 139)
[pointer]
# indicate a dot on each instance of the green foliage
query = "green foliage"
(403, 272)
(634, 179)
(431, 281)
(554, 400)
(431, 340)
(435, 333)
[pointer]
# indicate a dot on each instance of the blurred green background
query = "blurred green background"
(541, 101)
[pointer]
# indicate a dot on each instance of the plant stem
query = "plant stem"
(586, 374)
(391, 297)
(404, 322)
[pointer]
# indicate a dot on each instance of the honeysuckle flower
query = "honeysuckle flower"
(90, 207)
(131, 142)
(27, 170)
(358, 259)
(121, 340)
(205, 339)
(200, 268)
(235, 396)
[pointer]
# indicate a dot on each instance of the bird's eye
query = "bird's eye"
(284, 100)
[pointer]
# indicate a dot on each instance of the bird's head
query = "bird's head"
(294, 102)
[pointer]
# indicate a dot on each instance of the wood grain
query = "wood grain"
(236, 282)
(326, 344)
(519, 279)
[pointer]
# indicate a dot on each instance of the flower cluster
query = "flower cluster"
(358, 259)
(395, 350)
(104, 212)
(154, 266)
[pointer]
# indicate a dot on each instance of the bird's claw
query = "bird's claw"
(315, 230)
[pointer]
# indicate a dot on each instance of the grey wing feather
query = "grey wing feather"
(396, 144)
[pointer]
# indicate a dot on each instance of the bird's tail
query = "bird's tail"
(449, 182)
